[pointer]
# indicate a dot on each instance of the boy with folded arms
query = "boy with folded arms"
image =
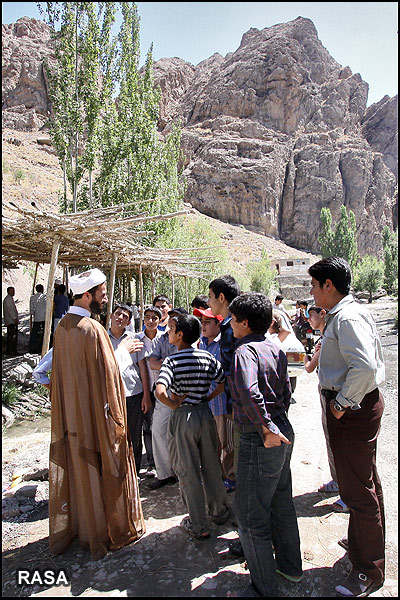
(192, 434)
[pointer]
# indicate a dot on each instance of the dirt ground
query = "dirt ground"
(165, 562)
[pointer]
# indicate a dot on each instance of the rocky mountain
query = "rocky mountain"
(271, 132)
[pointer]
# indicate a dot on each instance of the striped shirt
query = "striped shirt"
(191, 371)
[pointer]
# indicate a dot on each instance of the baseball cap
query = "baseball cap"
(84, 282)
(207, 312)
(178, 311)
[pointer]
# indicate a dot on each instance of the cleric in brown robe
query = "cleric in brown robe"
(93, 483)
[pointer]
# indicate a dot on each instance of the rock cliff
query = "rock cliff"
(271, 132)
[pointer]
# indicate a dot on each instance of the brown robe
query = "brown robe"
(94, 493)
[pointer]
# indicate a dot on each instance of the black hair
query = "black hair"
(11, 287)
(125, 307)
(254, 307)
(304, 302)
(61, 288)
(162, 298)
(39, 288)
(226, 285)
(278, 297)
(190, 327)
(316, 309)
(200, 302)
(153, 309)
(334, 268)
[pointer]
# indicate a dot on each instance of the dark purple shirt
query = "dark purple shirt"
(259, 382)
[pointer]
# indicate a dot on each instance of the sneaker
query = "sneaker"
(357, 584)
(150, 472)
(293, 578)
(230, 485)
(156, 483)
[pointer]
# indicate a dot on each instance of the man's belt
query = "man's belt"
(329, 394)
(247, 428)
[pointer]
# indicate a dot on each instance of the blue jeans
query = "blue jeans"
(265, 511)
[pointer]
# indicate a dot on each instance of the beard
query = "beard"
(95, 307)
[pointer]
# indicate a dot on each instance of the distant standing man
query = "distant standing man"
(93, 485)
(61, 305)
(37, 310)
(11, 321)
(350, 371)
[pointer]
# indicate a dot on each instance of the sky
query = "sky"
(362, 35)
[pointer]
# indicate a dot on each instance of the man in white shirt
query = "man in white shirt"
(11, 321)
(37, 309)
(350, 371)
(135, 376)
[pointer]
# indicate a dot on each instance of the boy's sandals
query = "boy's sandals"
(185, 524)
(329, 487)
(340, 507)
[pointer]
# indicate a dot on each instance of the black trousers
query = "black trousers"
(147, 435)
(12, 338)
(36, 337)
(134, 415)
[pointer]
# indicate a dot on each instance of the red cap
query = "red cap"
(207, 312)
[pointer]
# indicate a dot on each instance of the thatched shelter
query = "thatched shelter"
(105, 238)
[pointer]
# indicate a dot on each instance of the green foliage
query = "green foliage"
(369, 275)
(390, 254)
(19, 175)
(261, 274)
(341, 242)
(10, 394)
(5, 166)
(193, 234)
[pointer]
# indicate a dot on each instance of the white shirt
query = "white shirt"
(37, 306)
(351, 358)
(44, 366)
(148, 347)
(10, 312)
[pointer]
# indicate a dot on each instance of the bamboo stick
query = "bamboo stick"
(50, 295)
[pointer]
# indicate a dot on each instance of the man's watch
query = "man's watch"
(338, 406)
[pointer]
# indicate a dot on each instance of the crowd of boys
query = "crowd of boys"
(210, 393)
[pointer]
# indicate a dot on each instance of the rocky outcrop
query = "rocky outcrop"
(271, 133)
(24, 95)
(277, 130)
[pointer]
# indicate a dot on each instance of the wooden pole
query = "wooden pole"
(66, 278)
(33, 291)
(187, 294)
(141, 297)
(173, 290)
(153, 285)
(111, 290)
(50, 295)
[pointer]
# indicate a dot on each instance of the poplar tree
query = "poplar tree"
(343, 240)
(390, 255)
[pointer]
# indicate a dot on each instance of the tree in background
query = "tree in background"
(261, 274)
(341, 242)
(368, 275)
(112, 142)
(390, 255)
